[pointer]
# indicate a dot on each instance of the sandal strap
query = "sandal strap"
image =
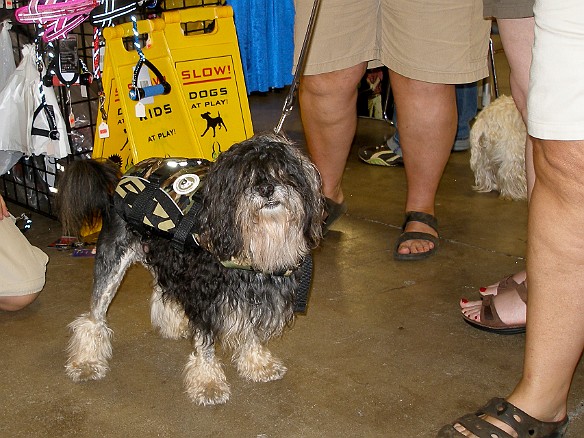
(522, 291)
(506, 283)
(481, 428)
(418, 216)
(489, 313)
(509, 284)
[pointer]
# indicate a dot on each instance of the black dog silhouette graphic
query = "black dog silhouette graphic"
(213, 122)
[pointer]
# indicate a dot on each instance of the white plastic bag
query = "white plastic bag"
(8, 159)
(43, 143)
(15, 102)
(7, 64)
(7, 67)
(19, 100)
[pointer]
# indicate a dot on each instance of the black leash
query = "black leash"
(302, 292)
(289, 102)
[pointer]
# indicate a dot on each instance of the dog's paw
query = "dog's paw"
(273, 370)
(83, 371)
(205, 380)
(89, 349)
(261, 368)
(209, 393)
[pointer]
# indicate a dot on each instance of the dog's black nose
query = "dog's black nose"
(266, 190)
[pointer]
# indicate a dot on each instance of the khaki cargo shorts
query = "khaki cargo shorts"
(508, 8)
(439, 41)
(22, 266)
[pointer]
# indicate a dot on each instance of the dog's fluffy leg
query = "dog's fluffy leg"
(204, 379)
(90, 344)
(484, 173)
(255, 362)
(168, 316)
(89, 349)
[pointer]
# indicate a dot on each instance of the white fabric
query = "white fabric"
(7, 67)
(556, 86)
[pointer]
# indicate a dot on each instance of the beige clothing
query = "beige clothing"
(22, 266)
(439, 41)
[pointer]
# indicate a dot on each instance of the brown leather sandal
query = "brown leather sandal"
(490, 320)
(523, 424)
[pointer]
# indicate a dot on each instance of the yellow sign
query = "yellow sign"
(116, 145)
(163, 128)
(208, 67)
(206, 110)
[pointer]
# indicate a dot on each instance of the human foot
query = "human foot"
(419, 238)
(503, 313)
(509, 282)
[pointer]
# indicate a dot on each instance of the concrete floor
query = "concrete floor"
(382, 350)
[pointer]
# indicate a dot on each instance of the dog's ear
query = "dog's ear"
(220, 195)
(84, 193)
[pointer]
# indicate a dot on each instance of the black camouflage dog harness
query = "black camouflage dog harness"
(160, 195)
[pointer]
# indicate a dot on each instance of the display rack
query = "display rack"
(30, 183)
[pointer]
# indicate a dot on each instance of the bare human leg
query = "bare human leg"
(328, 103)
(427, 122)
(517, 39)
(555, 327)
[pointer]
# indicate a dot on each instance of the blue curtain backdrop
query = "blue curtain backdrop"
(265, 30)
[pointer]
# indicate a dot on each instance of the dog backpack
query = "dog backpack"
(160, 195)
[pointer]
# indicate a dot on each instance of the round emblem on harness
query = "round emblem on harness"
(186, 184)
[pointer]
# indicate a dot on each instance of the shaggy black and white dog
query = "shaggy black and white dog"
(261, 208)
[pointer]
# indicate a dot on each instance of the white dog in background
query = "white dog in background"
(497, 150)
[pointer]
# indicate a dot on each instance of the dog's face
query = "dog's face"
(262, 205)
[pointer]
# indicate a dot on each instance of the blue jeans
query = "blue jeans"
(466, 105)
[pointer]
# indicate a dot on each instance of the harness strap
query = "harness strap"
(184, 229)
(143, 203)
(59, 17)
(36, 13)
(52, 132)
(107, 11)
(301, 296)
(62, 27)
